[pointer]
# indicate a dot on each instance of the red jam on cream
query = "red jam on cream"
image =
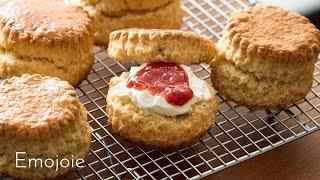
(165, 79)
(168, 89)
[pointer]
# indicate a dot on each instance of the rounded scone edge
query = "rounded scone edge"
(149, 45)
(22, 128)
(245, 88)
(71, 141)
(30, 46)
(164, 132)
(166, 17)
(265, 40)
(257, 76)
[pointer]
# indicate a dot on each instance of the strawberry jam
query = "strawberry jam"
(165, 79)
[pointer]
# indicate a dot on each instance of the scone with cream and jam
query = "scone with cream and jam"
(161, 103)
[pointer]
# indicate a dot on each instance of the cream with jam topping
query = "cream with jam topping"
(166, 88)
(165, 79)
(161, 103)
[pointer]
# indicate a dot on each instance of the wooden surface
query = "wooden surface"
(297, 160)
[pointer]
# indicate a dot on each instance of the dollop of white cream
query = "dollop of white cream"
(158, 104)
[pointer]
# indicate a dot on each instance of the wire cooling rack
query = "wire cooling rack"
(239, 133)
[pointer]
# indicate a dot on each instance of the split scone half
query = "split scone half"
(41, 118)
(161, 103)
(50, 38)
(266, 58)
(110, 15)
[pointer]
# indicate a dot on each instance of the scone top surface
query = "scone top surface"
(150, 45)
(34, 107)
(274, 34)
(46, 22)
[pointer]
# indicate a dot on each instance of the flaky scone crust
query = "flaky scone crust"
(48, 38)
(118, 8)
(36, 107)
(265, 58)
(146, 127)
(149, 45)
(25, 23)
(74, 68)
(274, 34)
(260, 92)
(168, 16)
(71, 143)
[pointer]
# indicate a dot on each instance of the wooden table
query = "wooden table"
(297, 160)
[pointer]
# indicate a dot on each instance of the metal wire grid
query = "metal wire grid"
(239, 133)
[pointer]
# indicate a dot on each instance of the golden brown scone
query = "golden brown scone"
(120, 7)
(150, 45)
(165, 16)
(42, 117)
(147, 127)
(266, 57)
(48, 38)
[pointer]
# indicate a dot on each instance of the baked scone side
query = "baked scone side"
(247, 89)
(48, 44)
(167, 17)
(71, 143)
(266, 58)
(73, 68)
(262, 68)
(149, 45)
(23, 27)
(60, 107)
(118, 8)
(256, 82)
(255, 31)
(147, 127)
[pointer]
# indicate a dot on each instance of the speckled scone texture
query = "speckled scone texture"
(266, 58)
(149, 45)
(43, 117)
(48, 38)
(121, 7)
(147, 127)
(163, 16)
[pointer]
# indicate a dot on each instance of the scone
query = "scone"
(116, 8)
(40, 118)
(110, 15)
(161, 103)
(48, 38)
(266, 58)
(149, 45)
